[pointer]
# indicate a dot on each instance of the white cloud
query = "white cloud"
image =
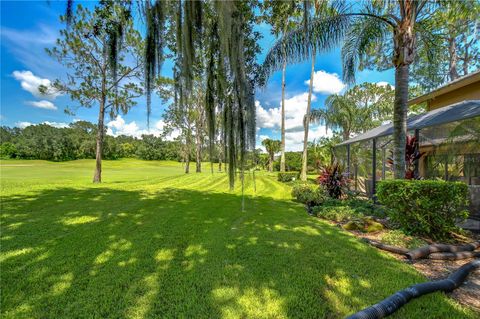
(28, 47)
(22, 124)
(295, 108)
(294, 140)
(31, 82)
(54, 124)
(41, 35)
(118, 126)
(326, 83)
(263, 137)
(383, 83)
(43, 104)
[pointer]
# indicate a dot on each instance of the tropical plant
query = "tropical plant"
(324, 10)
(361, 108)
(333, 180)
(272, 147)
(282, 16)
(373, 31)
(412, 155)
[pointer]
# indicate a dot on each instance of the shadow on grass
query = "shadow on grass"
(105, 252)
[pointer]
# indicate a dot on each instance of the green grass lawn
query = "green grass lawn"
(152, 242)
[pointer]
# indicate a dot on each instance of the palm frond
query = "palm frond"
(364, 31)
(323, 34)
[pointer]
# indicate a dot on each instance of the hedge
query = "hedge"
(429, 208)
(288, 176)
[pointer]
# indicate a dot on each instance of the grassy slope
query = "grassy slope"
(152, 242)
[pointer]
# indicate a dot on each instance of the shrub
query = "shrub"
(428, 208)
(333, 179)
(345, 210)
(335, 213)
(288, 176)
(308, 194)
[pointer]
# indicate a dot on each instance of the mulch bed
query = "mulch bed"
(468, 294)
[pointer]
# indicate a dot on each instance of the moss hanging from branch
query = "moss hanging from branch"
(154, 43)
(240, 123)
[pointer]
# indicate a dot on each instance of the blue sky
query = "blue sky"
(27, 28)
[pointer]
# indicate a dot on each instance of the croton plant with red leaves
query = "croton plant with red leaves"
(412, 154)
(333, 179)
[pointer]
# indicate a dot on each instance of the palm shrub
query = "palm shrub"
(333, 180)
(429, 208)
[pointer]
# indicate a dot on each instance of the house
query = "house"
(448, 136)
(462, 89)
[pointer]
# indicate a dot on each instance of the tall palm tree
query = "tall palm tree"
(369, 30)
(306, 120)
(281, 15)
(321, 9)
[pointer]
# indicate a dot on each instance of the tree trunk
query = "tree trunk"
(270, 164)
(404, 54)
(400, 120)
(198, 152)
(452, 51)
(306, 121)
(282, 146)
(187, 164)
(187, 153)
(97, 177)
(466, 57)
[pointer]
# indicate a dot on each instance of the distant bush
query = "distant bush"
(288, 176)
(308, 194)
(8, 150)
(428, 208)
(293, 162)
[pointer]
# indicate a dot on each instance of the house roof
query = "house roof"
(450, 86)
(455, 112)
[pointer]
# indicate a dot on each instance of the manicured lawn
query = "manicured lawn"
(151, 242)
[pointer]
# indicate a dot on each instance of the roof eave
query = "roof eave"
(451, 86)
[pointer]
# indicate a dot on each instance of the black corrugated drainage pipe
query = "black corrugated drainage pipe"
(394, 302)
